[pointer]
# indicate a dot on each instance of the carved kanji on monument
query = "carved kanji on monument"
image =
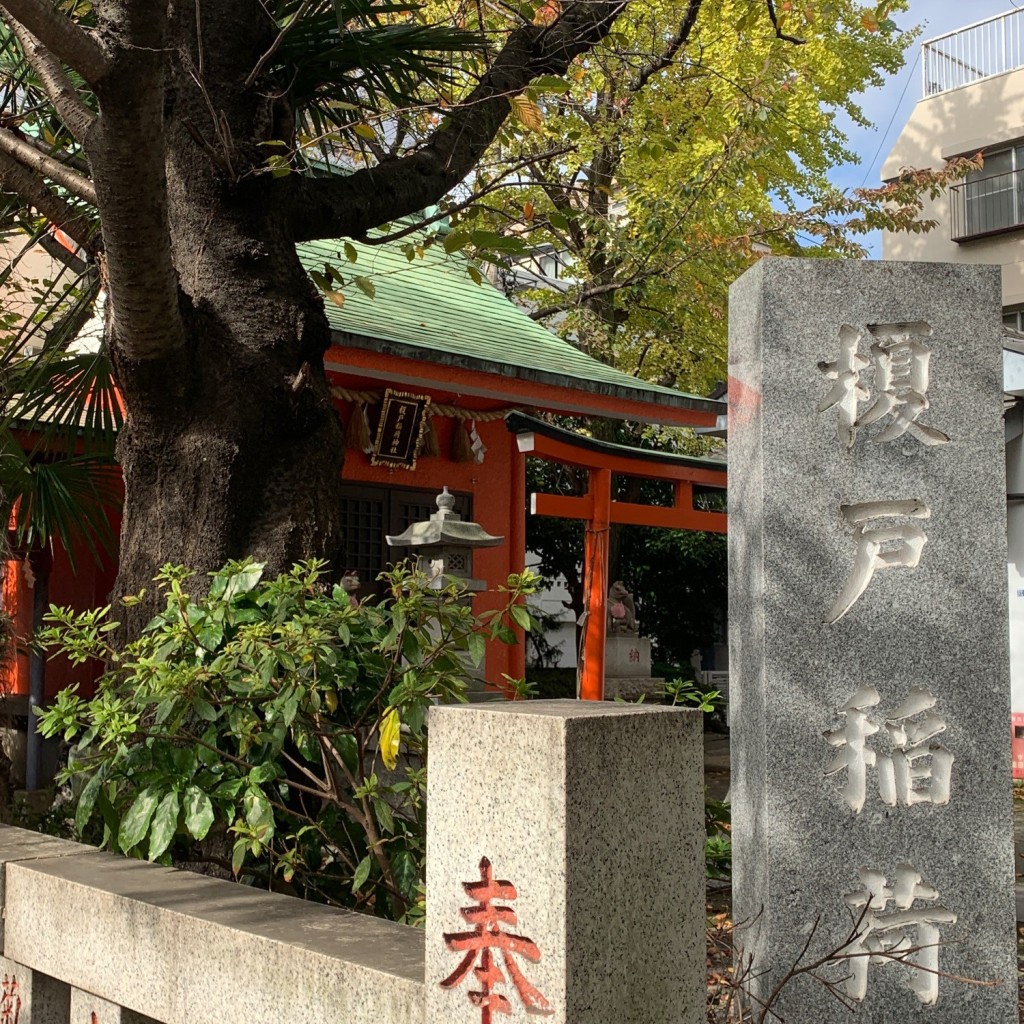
(872, 822)
(895, 541)
(913, 770)
(10, 1000)
(900, 358)
(486, 943)
(898, 922)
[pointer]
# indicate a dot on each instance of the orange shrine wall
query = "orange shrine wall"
(87, 585)
(499, 499)
(498, 486)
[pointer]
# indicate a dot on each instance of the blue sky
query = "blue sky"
(889, 106)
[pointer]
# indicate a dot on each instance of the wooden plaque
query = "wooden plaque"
(402, 419)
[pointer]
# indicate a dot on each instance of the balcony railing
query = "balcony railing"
(987, 206)
(969, 54)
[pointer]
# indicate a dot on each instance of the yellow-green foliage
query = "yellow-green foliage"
(663, 173)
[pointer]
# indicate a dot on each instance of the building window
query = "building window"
(990, 200)
(1014, 319)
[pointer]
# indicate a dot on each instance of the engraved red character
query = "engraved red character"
(10, 1001)
(488, 940)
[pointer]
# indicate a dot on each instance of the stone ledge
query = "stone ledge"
(176, 946)
(20, 844)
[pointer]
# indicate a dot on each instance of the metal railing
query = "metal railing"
(977, 51)
(987, 206)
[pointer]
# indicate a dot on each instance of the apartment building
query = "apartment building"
(972, 101)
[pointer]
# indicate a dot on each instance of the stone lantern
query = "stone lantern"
(444, 545)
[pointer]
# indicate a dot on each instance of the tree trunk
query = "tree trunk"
(237, 450)
(232, 447)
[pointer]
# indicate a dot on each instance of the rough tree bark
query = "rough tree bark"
(231, 445)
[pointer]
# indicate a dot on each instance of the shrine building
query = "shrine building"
(439, 381)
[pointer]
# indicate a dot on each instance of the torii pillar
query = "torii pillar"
(602, 459)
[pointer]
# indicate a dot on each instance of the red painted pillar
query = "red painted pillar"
(595, 577)
(517, 543)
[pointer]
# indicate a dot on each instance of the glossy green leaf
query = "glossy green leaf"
(136, 822)
(164, 825)
(362, 873)
(199, 815)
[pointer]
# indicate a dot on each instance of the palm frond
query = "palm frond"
(63, 397)
(68, 497)
(361, 55)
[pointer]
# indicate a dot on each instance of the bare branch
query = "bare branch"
(288, 26)
(474, 200)
(331, 207)
(68, 159)
(590, 293)
(74, 222)
(775, 24)
(68, 42)
(667, 56)
(71, 110)
(57, 172)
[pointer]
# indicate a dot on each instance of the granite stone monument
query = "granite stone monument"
(29, 997)
(565, 864)
(868, 626)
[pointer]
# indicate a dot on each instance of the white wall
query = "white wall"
(550, 600)
(1015, 551)
(960, 123)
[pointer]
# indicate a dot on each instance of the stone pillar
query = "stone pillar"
(868, 624)
(575, 829)
(89, 1009)
(29, 997)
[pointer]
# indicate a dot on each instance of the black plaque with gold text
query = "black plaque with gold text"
(402, 419)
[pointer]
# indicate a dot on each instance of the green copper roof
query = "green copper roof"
(430, 308)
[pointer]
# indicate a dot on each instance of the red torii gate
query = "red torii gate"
(602, 459)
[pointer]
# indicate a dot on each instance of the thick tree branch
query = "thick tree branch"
(68, 42)
(668, 55)
(59, 173)
(74, 222)
(72, 111)
(352, 205)
(127, 154)
(78, 163)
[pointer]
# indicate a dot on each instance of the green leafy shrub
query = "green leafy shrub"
(272, 729)
(717, 814)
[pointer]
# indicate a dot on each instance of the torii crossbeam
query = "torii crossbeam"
(602, 459)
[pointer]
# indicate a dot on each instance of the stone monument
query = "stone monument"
(868, 628)
(565, 864)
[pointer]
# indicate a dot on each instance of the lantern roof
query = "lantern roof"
(445, 527)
